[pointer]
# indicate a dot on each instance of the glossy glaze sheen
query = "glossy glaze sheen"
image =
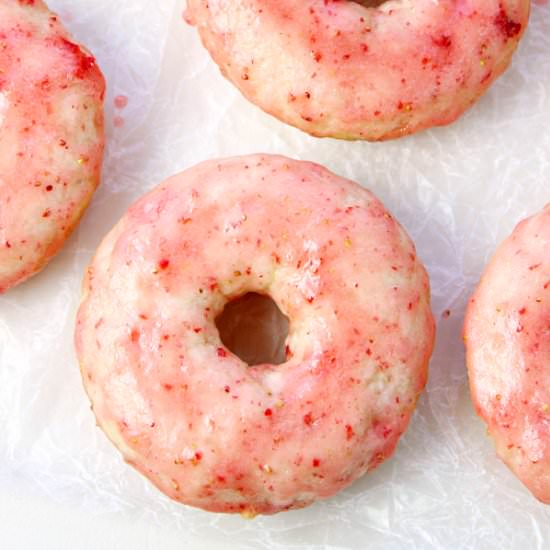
(340, 69)
(507, 334)
(51, 136)
(204, 428)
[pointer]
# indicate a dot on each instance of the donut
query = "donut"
(51, 136)
(216, 432)
(507, 335)
(361, 69)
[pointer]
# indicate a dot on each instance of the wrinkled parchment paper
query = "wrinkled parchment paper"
(458, 191)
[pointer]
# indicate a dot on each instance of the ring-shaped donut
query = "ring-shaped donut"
(51, 136)
(342, 69)
(507, 336)
(202, 425)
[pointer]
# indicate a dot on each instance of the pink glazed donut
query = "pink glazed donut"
(51, 136)
(361, 69)
(507, 335)
(205, 427)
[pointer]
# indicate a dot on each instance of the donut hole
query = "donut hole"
(254, 329)
(369, 3)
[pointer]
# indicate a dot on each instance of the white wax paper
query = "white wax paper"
(458, 190)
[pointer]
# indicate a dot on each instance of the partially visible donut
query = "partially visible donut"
(507, 335)
(361, 70)
(205, 428)
(51, 136)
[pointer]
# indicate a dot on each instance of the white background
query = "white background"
(458, 190)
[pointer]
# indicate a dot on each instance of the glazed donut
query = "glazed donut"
(205, 427)
(51, 136)
(356, 70)
(507, 335)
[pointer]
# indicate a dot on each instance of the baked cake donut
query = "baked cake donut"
(507, 335)
(51, 136)
(207, 428)
(361, 70)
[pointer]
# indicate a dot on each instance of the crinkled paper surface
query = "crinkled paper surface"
(458, 190)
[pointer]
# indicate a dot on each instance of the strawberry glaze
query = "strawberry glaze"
(507, 335)
(205, 428)
(51, 136)
(341, 69)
